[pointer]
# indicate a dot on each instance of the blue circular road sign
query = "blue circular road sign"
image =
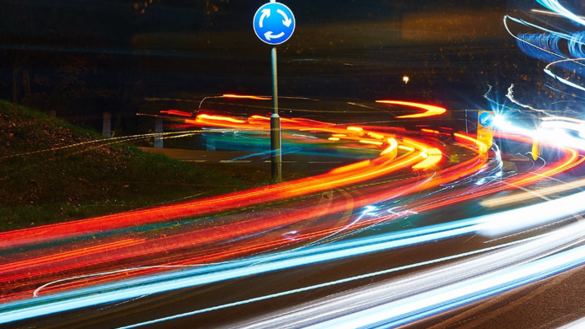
(274, 23)
(486, 119)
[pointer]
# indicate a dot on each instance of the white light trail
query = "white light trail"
(421, 305)
(489, 224)
(530, 194)
(563, 81)
(557, 138)
(123, 290)
(556, 7)
(395, 302)
(323, 285)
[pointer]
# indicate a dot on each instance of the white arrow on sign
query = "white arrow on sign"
(265, 14)
(287, 21)
(268, 35)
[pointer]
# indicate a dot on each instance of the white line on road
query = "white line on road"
(235, 161)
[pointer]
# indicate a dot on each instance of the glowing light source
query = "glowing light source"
(499, 120)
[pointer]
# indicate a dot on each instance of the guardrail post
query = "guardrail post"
(107, 126)
(158, 128)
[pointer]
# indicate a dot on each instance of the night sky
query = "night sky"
(82, 57)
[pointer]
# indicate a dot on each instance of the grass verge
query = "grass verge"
(52, 171)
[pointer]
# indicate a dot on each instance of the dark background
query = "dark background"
(82, 58)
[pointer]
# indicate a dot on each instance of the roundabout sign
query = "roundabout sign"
(486, 119)
(274, 23)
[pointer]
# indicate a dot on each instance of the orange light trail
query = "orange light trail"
(67, 255)
(376, 135)
(406, 148)
(568, 162)
(203, 118)
(214, 204)
(239, 248)
(481, 146)
(260, 98)
(200, 207)
(523, 196)
(431, 110)
(264, 120)
(434, 155)
(365, 141)
(392, 148)
(353, 166)
(241, 229)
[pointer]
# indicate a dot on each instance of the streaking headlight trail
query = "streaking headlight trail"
(556, 7)
(153, 243)
(431, 110)
(214, 273)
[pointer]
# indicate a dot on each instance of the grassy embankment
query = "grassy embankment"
(94, 178)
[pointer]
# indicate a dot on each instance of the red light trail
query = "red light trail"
(227, 240)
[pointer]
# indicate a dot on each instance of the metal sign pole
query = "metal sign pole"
(274, 23)
(275, 139)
